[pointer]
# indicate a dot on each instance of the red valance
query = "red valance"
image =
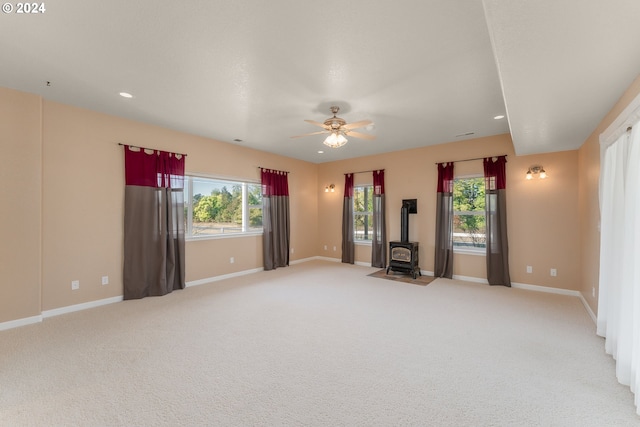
(445, 177)
(348, 185)
(153, 168)
(378, 182)
(274, 183)
(495, 173)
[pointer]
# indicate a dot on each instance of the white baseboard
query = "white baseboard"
(324, 258)
(222, 277)
(546, 289)
(79, 307)
(254, 270)
(568, 292)
(299, 261)
(586, 306)
(20, 322)
(92, 304)
(471, 279)
(537, 288)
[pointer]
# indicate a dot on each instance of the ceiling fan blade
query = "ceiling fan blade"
(322, 125)
(355, 125)
(360, 135)
(312, 133)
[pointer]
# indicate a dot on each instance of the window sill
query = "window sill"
(475, 252)
(362, 242)
(222, 236)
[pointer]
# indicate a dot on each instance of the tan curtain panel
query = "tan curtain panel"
(275, 218)
(348, 246)
(443, 263)
(379, 240)
(154, 261)
(496, 221)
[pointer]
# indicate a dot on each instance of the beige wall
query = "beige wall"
(84, 191)
(63, 172)
(543, 217)
(589, 160)
(20, 205)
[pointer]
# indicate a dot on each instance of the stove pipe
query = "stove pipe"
(404, 223)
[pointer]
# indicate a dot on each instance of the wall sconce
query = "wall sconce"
(536, 171)
(330, 188)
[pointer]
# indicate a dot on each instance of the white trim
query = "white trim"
(586, 305)
(223, 236)
(78, 307)
(537, 288)
(471, 279)
(222, 277)
(223, 177)
(92, 304)
(628, 117)
(20, 322)
(546, 289)
(324, 258)
(515, 285)
(463, 251)
(257, 270)
(298, 261)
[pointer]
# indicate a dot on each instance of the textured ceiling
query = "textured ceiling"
(424, 71)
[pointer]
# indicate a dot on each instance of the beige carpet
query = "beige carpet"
(402, 278)
(316, 344)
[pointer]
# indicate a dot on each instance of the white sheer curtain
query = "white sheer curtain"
(619, 288)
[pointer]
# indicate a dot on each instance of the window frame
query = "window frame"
(188, 202)
(356, 240)
(470, 250)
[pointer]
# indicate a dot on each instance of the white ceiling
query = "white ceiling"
(424, 71)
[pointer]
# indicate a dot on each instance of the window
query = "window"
(469, 231)
(216, 207)
(363, 213)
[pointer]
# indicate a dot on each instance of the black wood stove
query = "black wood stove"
(403, 254)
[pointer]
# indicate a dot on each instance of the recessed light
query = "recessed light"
(499, 117)
(320, 152)
(126, 95)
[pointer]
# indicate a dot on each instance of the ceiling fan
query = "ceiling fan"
(338, 129)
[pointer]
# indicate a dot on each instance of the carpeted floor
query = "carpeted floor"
(316, 344)
(403, 278)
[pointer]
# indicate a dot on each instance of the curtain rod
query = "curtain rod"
(372, 170)
(271, 169)
(145, 148)
(468, 160)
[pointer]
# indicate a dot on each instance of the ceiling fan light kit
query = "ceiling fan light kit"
(338, 129)
(335, 140)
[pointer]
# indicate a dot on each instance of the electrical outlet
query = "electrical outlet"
(75, 284)
(325, 247)
(553, 272)
(593, 291)
(334, 249)
(232, 260)
(105, 280)
(529, 269)
(292, 250)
